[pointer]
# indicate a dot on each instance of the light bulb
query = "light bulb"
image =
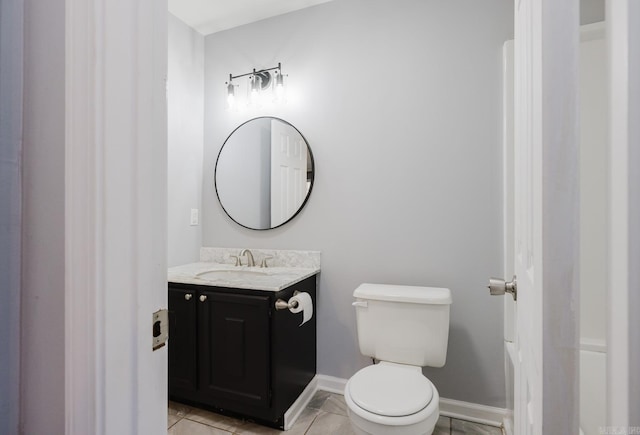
(255, 84)
(231, 98)
(255, 90)
(279, 87)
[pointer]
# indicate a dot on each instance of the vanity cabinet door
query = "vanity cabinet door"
(234, 349)
(182, 341)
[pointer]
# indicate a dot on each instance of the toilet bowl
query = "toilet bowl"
(405, 328)
(394, 399)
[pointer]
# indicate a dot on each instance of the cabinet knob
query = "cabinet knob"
(188, 296)
(203, 298)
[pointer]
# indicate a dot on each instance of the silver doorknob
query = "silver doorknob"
(203, 298)
(188, 296)
(498, 287)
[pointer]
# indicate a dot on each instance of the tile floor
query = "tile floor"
(325, 414)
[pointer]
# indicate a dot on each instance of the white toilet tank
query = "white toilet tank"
(403, 324)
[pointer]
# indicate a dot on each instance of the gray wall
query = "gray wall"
(401, 104)
(591, 11)
(11, 58)
(42, 322)
(244, 184)
(185, 111)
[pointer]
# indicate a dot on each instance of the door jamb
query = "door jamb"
(623, 327)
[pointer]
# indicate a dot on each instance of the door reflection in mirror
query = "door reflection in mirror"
(264, 173)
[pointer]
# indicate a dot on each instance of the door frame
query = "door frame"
(623, 335)
(11, 115)
(115, 215)
(93, 25)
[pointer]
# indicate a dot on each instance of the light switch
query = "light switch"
(194, 216)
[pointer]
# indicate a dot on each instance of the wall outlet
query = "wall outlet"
(194, 216)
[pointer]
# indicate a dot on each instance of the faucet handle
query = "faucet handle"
(238, 260)
(263, 263)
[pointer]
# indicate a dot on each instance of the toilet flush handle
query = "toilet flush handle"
(362, 304)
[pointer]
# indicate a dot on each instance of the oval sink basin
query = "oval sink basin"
(212, 275)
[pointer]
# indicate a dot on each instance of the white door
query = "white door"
(115, 216)
(288, 172)
(527, 229)
(546, 217)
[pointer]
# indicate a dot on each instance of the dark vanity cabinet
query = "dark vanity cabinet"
(231, 351)
(183, 331)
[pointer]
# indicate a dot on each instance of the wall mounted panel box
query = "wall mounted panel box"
(231, 351)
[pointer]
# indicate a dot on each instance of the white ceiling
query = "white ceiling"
(209, 16)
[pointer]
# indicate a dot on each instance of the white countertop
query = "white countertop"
(253, 278)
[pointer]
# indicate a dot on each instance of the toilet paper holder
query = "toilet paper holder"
(281, 304)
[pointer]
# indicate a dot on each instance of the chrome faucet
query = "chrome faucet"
(250, 261)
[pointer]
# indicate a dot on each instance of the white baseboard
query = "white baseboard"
(318, 383)
(507, 427)
(300, 404)
(474, 412)
(331, 384)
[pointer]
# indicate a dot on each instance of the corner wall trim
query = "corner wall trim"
(473, 412)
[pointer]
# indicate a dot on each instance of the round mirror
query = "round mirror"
(264, 173)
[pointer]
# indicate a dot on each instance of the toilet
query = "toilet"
(405, 328)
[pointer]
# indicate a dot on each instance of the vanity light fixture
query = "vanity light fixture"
(231, 97)
(258, 83)
(279, 86)
(256, 87)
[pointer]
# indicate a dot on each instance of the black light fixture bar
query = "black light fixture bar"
(231, 77)
(258, 82)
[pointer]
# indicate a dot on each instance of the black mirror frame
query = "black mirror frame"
(313, 173)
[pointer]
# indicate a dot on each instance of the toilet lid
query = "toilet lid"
(391, 391)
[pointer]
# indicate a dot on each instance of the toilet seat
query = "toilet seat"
(391, 390)
(427, 415)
